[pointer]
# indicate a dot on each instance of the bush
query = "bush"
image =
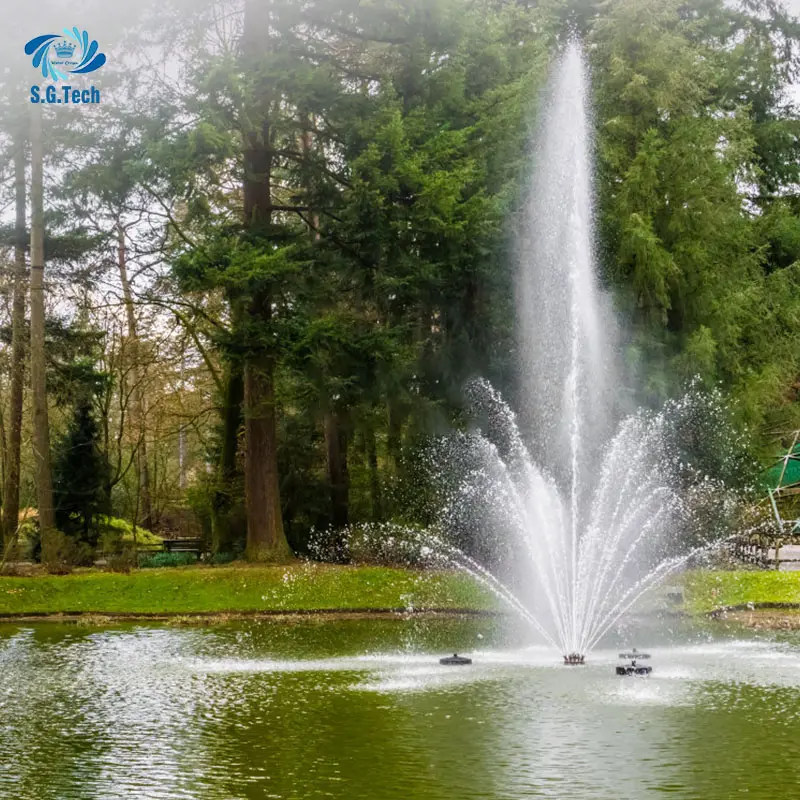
(121, 528)
(123, 562)
(66, 553)
(218, 559)
(156, 560)
(116, 536)
(383, 544)
(28, 545)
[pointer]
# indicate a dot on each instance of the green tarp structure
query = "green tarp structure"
(776, 477)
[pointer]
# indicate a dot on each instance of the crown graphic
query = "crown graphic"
(64, 49)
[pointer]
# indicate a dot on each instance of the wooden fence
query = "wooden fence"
(770, 549)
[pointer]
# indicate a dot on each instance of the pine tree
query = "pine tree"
(80, 475)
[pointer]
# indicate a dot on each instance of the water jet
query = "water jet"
(578, 486)
(581, 492)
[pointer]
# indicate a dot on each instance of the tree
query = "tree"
(265, 537)
(41, 424)
(12, 483)
(139, 401)
(697, 172)
(354, 289)
(323, 208)
(81, 471)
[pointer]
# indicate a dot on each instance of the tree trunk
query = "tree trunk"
(394, 441)
(266, 539)
(3, 456)
(138, 409)
(338, 476)
(11, 491)
(223, 531)
(41, 423)
(374, 475)
(182, 455)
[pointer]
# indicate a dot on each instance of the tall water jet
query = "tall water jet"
(582, 497)
(566, 367)
(570, 511)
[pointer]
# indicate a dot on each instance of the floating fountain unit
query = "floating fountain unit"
(633, 668)
(455, 661)
(574, 660)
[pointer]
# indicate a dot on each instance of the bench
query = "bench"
(183, 546)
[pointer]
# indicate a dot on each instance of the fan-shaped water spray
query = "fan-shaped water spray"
(584, 504)
(570, 511)
(585, 511)
(575, 567)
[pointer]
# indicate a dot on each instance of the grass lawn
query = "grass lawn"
(240, 588)
(706, 590)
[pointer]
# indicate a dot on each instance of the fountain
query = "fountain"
(572, 561)
(570, 509)
(583, 493)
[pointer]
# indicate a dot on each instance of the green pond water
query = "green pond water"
(362, 709)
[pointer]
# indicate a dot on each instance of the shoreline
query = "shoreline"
(200, 617)
(767, 606)
(760, 616)
(309, 590)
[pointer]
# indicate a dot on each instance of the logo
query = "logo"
(58, 57)
(65, 50)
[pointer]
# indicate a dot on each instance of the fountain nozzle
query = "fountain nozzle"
(574, 660)
(633, 668)
(455, 660)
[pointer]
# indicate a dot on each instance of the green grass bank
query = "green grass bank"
(303, 587)
(706, 591)
(240, 589)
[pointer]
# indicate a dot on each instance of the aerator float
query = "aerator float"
(633, 668)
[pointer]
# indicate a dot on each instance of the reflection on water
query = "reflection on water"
(362, 709)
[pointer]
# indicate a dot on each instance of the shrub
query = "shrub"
(28, 545)
(219, 559)
(384, 544)
(155, 560)
(123, 562)
(66, 553)
(116, 536)
(124, 530)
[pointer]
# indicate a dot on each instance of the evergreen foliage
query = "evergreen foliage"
(322, 211)
(80, 477)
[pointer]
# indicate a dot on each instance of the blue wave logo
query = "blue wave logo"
(72, 54)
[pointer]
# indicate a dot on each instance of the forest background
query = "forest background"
(240, 295)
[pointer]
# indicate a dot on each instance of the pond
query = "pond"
(360, 708)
